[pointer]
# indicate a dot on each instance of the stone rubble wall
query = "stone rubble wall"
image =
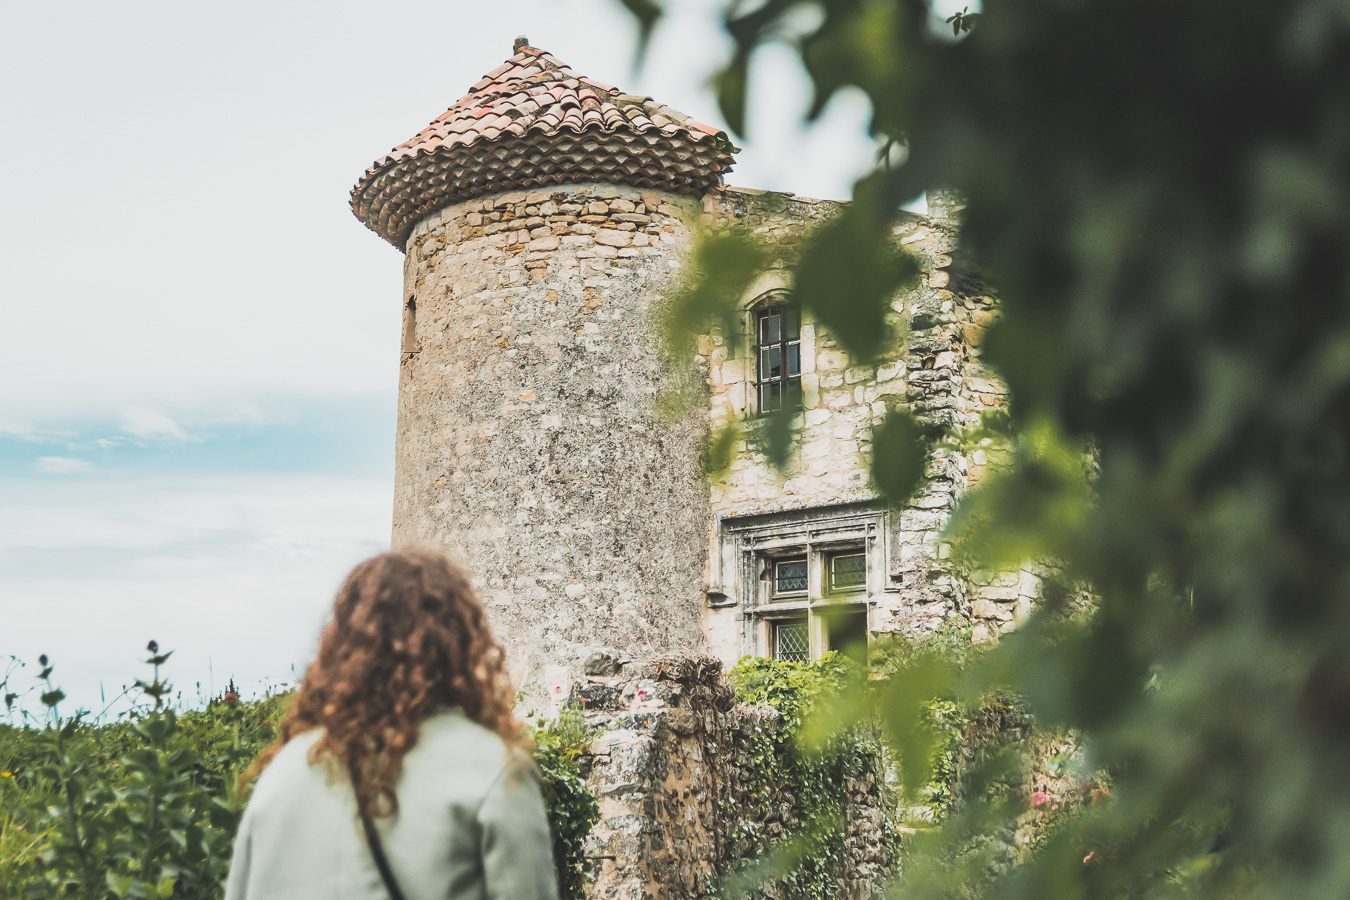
(528, 443)
(673, 771)
(932, 368)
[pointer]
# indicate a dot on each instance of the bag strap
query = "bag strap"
(377, 853)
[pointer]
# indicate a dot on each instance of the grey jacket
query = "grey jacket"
(470, 826)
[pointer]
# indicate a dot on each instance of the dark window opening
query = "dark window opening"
(410, 326)
(792, 641)
(779, 369)
(789, 576)
(847, 572)
(847, 632)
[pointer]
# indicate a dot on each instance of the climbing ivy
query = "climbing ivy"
(572, 808)
(816, 774)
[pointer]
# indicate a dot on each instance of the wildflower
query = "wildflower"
(42, 660)
(1087, 859)
(1039, 798)
(6, 774)
(230, 698)
(153, 646)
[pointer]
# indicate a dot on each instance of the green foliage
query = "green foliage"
(815, 772)
(147, 807)
(572, 807)
(850, 271)
(898, 450)
(1157, 192)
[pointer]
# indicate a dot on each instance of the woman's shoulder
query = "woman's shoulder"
(289, 773)
(452, 743)
(450, 730)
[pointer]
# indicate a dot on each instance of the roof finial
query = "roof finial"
(521, 43)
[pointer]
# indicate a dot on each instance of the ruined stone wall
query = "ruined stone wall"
(931, 368)
(527, 443)
(675, 777)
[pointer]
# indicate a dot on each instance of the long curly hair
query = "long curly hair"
(408, 636)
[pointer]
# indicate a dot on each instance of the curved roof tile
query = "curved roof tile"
(530, 123)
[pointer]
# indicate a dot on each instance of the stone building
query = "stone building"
(545, 218)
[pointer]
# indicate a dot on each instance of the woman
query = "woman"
(401, 744)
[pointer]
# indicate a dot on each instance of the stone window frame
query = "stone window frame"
(750, 544)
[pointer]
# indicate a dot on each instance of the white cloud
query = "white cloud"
(62, 465)
(151, 426)
(22, 431)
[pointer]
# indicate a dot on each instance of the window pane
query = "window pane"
(765, 369)
(768, 396)
(792, 322)
(769, 329)
(848, 571)
(794, 356)
(789, 576)
(775, 355)
(792, 642)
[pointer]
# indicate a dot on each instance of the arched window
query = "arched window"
(778, 345)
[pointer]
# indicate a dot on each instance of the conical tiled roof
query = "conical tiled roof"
(528, 123)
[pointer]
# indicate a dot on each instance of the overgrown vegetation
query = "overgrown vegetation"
(572, 808)
(143, 807)
(824, 747)
(816, 775)
(148, 806)
(1158, 194)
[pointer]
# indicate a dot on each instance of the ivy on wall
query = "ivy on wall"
(572, 807)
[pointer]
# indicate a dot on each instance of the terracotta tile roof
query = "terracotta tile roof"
(528, 123)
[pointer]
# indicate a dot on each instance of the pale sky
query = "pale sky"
(199, 342)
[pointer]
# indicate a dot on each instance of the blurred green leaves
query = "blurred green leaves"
(852, 270)
(723, 265)
(898, 453)
(1157, 192)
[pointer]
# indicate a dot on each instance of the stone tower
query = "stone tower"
(542, 217)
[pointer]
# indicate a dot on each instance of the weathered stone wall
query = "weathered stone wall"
(673, 769)
(527, 442)
(932, 367)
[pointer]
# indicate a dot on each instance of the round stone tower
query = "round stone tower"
(544, 216)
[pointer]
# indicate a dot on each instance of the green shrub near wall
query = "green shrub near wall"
(985, 746)
(809, 858)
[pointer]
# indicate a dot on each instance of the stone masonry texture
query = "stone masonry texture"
(527, 436)
(673, 772)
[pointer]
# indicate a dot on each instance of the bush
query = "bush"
(145, 807)
(148, 807)
(572, 808)
(813, 768)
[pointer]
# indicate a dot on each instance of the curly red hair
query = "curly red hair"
(408, 636)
